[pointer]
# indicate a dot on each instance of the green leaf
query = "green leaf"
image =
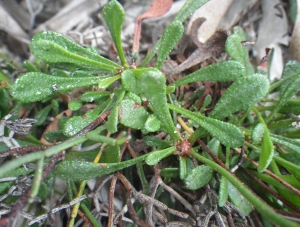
(170, 172)
(222, 72)
(55, 48)
(169, 39)
(80, 170)
(36, 86)
(291, 167)
(152, 124)
(183, 168)
(223, 192)
(75, 124)
(158, 155)
(241, 95)
(111, 154)
(151, 83)
(112, 122)
(236, 51)
(226, 133)
(290, 68)
(74, 105)
(153, 141)
(267, 151)
(292, 144)
(238, 200)
(257, 133)
(42, 115)
(114, 16)
(132, 115)
(93, 95)
(291, 89)
(198, 177)
(189, 7)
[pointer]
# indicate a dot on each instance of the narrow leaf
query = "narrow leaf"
(112, 122)
(239, 201)
(114, 15)
(170, 37)
(55, 48)
(158, 155)
(290, 68)
(241, 95)
(223, 192)
(222, 72)
(198, 177)
(267, 151)
(291, 89)
(183, 167)
(80, 170)
(292, 144)
(189, 7)
(226, 133)
(36, 86)
(93, 95)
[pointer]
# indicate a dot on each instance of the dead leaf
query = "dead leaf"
(295, 41)
(273, 30)
(157, 9)
(213, 47)
(213, 12)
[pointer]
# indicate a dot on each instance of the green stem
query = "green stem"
(260, 206)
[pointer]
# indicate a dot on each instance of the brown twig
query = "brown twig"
(23, 150)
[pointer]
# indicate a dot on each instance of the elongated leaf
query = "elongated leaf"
(80, 170)
(189, 7)
(93, 95)
(239, 53)
(291, 167)
(241, 95)
(36, 86)
(114, 16)
(170, 172)
(226, 133)
(222, 72)
(198, 177)
(238, 200)
(158, 155)
(183, 168)
(151, 83)
(257, 133)
(112, 122)
(292, 144)
(170, 37)
(55, 48)
(291, 89)
(290, 68)
(223, 192)
(267, 151)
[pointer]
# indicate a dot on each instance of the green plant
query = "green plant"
(237, 120)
